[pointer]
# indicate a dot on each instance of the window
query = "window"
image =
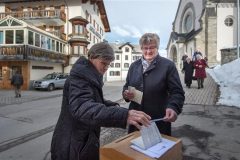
(228, 21)
(79, 50)
(78, 29)
(53, 45)
(126, 57)
(61, 48)
(1, 37)
(37, 40)
(87, 15)
(126, 49)
(126, 65)
(114, 73)
(19, 36)
(117, 57)
(30, 37)
(48, 43)
(9, 37)
(136, 57)
(111, 73)
(188, 23)
(44, 42)
(117, 65)
(57, 46)
(112, 65)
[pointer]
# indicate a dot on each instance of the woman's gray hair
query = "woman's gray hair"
(198, 56)
(101, 50)
(148, 38)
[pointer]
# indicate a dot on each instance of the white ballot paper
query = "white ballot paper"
(137, 94)
(151, 143)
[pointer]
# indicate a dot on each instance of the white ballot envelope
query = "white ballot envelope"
(150, 136)
(151, 142)
(137, 94)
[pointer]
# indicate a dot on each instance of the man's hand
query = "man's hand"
(128, 95)
(138, 118)
(171, 115)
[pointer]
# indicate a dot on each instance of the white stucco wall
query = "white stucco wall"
(226, 36)
(38, 73)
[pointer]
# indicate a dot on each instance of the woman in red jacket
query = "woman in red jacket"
(200, 72)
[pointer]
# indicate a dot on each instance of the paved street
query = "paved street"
(208, 131)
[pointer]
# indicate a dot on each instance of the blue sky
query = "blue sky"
(129, 19)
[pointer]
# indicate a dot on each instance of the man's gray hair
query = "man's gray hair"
(101, 50)
(148, 38)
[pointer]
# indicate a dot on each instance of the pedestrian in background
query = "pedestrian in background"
(158, 79)
(84, 110)
(184, 57)
(200, 72)
(17, 82)
(197, 52)
(188, 72)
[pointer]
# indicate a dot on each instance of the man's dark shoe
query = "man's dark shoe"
(19, 95)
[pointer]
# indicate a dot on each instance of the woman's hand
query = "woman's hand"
(138, 118)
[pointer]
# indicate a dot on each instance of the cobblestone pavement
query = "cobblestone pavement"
(205, 96)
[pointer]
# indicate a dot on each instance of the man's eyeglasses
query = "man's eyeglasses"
(149, 48)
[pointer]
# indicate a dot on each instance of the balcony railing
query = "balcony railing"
(43, 14)
(26, 52)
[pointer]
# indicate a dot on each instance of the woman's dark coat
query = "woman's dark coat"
(188, 72)
(161, 89)
(83, 112)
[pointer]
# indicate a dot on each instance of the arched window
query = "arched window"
(188, 23)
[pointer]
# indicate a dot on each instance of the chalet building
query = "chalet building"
(125, 55)
(41, 37)
(208, 25)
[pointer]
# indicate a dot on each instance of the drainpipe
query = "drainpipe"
(67, 18)
(238, 28)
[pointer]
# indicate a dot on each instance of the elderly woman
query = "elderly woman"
(188, 72)
(84, 110)
(158, 79)
(200, 73)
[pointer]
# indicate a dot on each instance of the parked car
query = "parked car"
(51, 81)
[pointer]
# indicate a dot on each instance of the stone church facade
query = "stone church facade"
(207, 25)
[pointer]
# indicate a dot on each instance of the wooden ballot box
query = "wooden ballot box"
(120, 150)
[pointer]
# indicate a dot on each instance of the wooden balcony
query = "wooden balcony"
(26, 52)
(39, 17)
